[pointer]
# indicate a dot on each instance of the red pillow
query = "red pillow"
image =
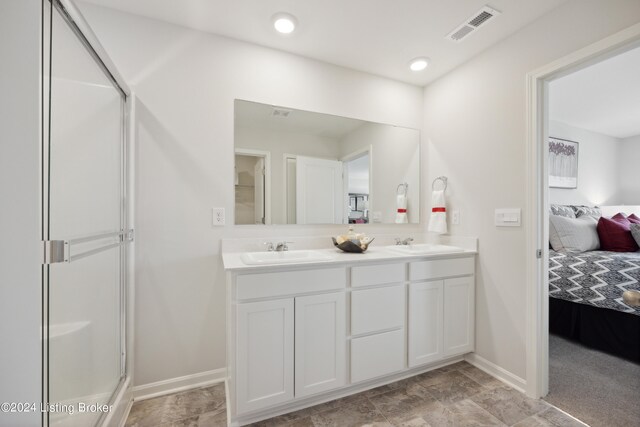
(615, 234)
(633, 218)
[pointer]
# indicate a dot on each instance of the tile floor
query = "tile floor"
(457, 395)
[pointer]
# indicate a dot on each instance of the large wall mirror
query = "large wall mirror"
(301, 167)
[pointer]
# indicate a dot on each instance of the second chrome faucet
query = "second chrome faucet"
(405, 242)
(277, 247)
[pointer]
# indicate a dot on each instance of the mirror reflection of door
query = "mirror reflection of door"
(318, 191)
(357, 182)
(251, 187)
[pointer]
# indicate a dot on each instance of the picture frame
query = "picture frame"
(563, 163)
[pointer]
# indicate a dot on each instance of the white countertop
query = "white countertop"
(232, 260)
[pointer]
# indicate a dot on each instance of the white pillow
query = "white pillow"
(635, 232)
(573, 234)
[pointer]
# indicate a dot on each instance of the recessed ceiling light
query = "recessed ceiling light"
(419, 64)
(284, 23)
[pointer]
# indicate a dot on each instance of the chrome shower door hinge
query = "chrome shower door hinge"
(55, 251)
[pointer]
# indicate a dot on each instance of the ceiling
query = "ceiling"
(374, 36)
(602, 98)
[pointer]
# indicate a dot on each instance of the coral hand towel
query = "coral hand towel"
(438, 220)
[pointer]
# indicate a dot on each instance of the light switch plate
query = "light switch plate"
(455, 217)
(377, 216)
(217, 215)
(508, 217)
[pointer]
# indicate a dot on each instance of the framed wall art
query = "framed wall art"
(563, 163)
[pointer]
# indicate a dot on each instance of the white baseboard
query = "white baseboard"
(174, 385)
(496, 371)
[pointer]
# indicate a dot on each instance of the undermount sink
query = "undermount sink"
(424, 248)
(284, 257)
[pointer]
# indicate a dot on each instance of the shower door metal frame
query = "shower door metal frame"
(72, 16)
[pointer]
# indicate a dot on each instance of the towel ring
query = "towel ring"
(440, 178)
(405, 186)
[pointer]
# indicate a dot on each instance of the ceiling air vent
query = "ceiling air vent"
(280, 112)
(480, 18)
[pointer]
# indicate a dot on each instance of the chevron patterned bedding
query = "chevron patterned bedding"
(595, 278)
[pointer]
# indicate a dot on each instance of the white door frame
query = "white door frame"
(537, 209)
(352, 156)
(285, 177)
(267, 177)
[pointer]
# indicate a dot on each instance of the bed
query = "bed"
(585, 303)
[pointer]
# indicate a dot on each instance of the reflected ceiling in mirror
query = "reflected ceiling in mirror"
(300, 167)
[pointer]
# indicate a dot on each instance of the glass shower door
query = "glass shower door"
(85, 213)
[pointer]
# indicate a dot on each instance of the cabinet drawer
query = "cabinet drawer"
(367, 275)
(435, 269)
(377, 355)
(265, 285)
(377, 309)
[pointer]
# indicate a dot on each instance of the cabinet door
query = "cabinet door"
(264, 369)
(459, 315)
(425, 322)
(320, 343)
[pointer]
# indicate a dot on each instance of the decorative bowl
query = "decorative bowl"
(354, 245)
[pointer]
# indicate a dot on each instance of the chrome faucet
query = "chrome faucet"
(277, 247)
(405, 242)
(282, 246)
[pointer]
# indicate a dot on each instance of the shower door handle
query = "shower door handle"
(57, 251)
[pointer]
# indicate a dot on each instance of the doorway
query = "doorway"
(538, 196)
(252, 187)
(357, 186)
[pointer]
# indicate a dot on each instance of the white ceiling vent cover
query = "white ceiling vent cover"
(478, 19)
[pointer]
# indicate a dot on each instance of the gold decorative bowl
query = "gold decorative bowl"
(354, 245)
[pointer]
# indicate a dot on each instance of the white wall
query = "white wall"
(474, 124)
(629, 175)
(598, 167)
(278, 144)
(396, 156)
(186, 82)
(20, 281)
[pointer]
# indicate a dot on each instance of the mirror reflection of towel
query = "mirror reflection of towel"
(438, 219)
(401, 215)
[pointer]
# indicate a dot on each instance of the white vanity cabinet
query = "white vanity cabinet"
(301, 335)
(264, 354)
(425, 322)
(459, 316)
(378, 307)
(441, 309)
(287, 346)
(320, 343)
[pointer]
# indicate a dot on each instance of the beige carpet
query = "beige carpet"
(599, 389)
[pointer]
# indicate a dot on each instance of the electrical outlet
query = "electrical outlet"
(218, 216)
(455, 217)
